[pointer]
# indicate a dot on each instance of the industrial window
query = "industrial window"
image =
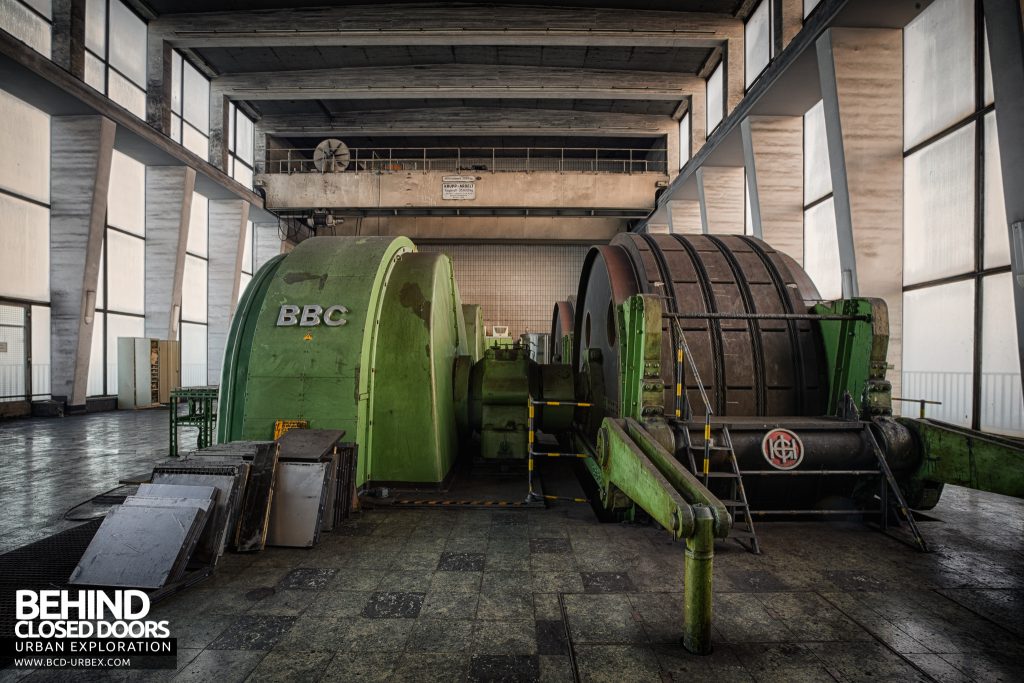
(240, 145)
(959, 343)
(190, 106)
(192, 331)
(121, 295)
(24, 247)
(246, 275)
(757, 41)
(715, 97)
(30, 21)
(685, 140)
(821, 244)
(115, 53)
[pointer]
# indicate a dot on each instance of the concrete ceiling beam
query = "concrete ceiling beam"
(466, 81)
(441, 24)
(448, 121)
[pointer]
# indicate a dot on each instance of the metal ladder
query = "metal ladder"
(736, 500)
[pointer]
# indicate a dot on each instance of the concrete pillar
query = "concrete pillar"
(168, 214)
(792, 20)
(227, 236)
(734, 82)
(266, 243)
(158, 81)
(218, 127)
(1006, 46)
(658, 228)
(81, 148)
(861, 73)
(720, 192)
(773, 158)
(67, 44)
(684, 216)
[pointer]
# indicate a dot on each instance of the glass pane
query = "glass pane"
(193, 355)
(242, 173)
(997, 233)
(232, 113)
(810, 5)
(40, 351)
(198, 226)
(247, 249)
(757, 41)
(196, 104)
(821, 250)
(938, 213)
(95, 73)
(101, 281)
(748, 218)
(1002, 408)
(193, 291)
(817, 172)
(176, 82)
(96, 26)
(14, 361)
(126, 198)
(128, 43)
(25, 141)
(938, 349)
(25, 25)
(126, 283)
(986, 65)
(94, 387)
(715, 101)
(684, 140)
(176, 128)
(938, 69)
(194, 141)
(125, 93)
(120, 326)
(243, 282)
(244, 138)
(24, 249)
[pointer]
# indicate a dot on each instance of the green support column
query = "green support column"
(700, 552)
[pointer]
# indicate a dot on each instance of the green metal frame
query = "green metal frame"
(855, 350)
(201, 413)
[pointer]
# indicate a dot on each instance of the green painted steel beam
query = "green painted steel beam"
(964, 457)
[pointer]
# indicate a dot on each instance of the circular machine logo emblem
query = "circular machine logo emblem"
(782, 449)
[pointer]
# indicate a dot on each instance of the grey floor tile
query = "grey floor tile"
(507, 667)
(290, 666)
(617, 664)
(365, 667)
(253, 632)
(223, 666)
(441, 635)
(517, 637)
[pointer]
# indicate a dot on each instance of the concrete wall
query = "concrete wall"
(423, 189)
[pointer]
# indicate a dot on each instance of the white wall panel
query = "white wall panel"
(938, 215)
(119, 326)
(938, 349)
(126, 275)
(126, 198)
(817, 172)
(938, 63)
(997, 234)
(25, 142)
(821, 249)
(24, 249)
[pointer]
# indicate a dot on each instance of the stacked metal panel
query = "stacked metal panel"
(314, 483)
(148, 541)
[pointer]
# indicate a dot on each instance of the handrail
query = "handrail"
(454, 159)
(683, 351)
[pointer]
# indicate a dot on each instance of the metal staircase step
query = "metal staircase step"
(722, 475)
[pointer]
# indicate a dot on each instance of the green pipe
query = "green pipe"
(700, 551)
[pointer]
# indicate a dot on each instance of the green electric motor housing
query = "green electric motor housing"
(352, 333)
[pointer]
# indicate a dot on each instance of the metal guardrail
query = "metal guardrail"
(473, 160)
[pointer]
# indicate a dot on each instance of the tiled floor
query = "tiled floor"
(453, 595)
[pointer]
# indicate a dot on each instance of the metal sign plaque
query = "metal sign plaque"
(458, 187)
(782, 449)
